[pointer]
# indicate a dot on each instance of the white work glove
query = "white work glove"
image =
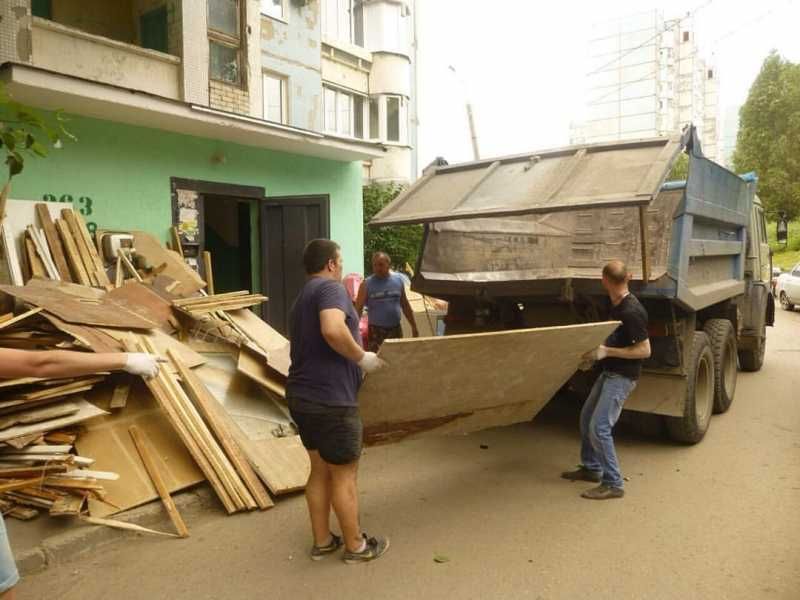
(370, 362)
(144, 365)
(597, 354)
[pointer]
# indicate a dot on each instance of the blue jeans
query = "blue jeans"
(598, 417)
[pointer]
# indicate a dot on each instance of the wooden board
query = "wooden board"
(53, 241)
(74, 259)
(142, 300)
(265, 337)
(107, 441)
(93, 338)
(252, 365)
(463, 383)
(282, 463)
(85, 412)
(155, 254)
(163, 342)
(9, 322)
(66, 306)
(37, 415)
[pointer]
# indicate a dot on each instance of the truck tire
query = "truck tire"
(752, 359)
(692, 426)
(723, 346)
(785, 304)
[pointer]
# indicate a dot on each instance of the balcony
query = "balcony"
(69, 50)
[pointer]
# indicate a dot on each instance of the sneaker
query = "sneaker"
(320, 552)
(603, 492)
(582, 474)
(375, 548)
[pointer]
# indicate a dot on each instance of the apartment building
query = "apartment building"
(249, 124)
(647, 78)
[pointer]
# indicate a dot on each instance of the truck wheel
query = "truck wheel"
(692, 426)
(785, 304)
(753, 359)
(723, 346)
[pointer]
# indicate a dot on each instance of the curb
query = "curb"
(84, 537)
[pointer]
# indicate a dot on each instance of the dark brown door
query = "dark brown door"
(287, 224)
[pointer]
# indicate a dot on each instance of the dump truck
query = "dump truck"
(520, 242)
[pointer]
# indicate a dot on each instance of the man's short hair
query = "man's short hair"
(317, 253)
(616, 272)
(381, 254)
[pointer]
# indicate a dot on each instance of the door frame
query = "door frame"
(323, 201)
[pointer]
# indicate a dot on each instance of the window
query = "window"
(273, 8)
(153, 29)
(224, 37)
(374, 119)
(275, 98)
(685, 36)
(42, 8)
(393, 119)
(344, 113)
(337, 19)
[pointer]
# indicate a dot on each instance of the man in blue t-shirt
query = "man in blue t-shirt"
(324, 377)
(384, 295)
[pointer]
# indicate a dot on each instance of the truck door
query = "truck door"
(764, 263)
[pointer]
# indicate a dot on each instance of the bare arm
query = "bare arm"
(409, 313)
(637, 351)
(335, 331)
(57, 363)
(361, 298)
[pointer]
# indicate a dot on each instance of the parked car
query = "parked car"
(776, 272)
(787, 288)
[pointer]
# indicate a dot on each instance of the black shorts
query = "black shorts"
(335, 432)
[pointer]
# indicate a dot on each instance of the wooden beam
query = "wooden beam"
(645, 245)
(34, 262)
(99, 267)
(73, 256)
(176, 240)
(208, 271)
(126, 526)
(53, 241)
(219, 422)
(142, 443)
(129, 265)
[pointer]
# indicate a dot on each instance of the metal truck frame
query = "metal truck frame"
(520, 241)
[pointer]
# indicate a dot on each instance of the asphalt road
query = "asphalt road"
(719, 520)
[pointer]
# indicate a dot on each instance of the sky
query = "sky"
(522, 64)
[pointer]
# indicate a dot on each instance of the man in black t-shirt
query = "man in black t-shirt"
(324, 377)
(620, 362)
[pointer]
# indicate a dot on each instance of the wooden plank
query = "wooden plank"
(38, 415)
(9, 322)
(209, 272)
(34, 262)
(77, 268)
(163, 342)
(68, 505)
(119, 276)
(125, 526)
(142, 444)
(23, 441)
(462, 383)
(119, 397)
(222, 425)
(99, 267)
(176, 241)
(40, 244)
(85, 412)
(12, 255)
(53, 241)
(128, 265)
(255, 367)
(142, 300)
(102, 312)
(94, 338)
(282, 463)
(107, 439)
(155, 255)
(184, 302)
(265, 337)
(28, 472)
(18, 484)
(68, 215)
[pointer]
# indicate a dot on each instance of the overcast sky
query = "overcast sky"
(522, 63)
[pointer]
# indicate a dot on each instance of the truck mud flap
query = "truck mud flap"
(661, 394)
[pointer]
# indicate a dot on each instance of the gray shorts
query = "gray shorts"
(335, 432)
(9, 576)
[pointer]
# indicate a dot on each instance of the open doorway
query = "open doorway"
(231, 236)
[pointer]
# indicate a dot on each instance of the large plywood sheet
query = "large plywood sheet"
(462, 383)
(108, 441)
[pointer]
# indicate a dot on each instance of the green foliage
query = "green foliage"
(786, 255)
(769, 135)
(402, 243)
(680, 170)
(25, 133)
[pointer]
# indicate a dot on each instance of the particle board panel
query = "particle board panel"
(254, 366)
(464, 383)
(142, 300)
(156, 255)
(270, 341)
(107, 441)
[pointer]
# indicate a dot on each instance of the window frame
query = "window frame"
(402, 119)
(353, 96)
(284, 81)
(224, 39)
(350, 39)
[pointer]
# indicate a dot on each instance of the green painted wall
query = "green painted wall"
(120, 174)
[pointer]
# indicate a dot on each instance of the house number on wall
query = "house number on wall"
(84, 206)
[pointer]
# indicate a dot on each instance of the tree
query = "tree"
(24, 132)
(769, 135)
(401, 242)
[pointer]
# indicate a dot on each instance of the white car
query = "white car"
(787, 288)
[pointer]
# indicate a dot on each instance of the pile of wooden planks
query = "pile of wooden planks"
(202, 305)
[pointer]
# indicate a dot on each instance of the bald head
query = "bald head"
(616, 273)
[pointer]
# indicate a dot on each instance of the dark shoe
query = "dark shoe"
(582, 474)
(375, 548)
(603, 492)
(320, 552)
